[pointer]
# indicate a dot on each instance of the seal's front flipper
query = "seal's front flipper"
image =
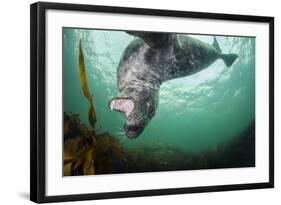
(229, 58)
(155, 40)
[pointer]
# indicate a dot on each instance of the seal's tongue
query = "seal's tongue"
(125, 105)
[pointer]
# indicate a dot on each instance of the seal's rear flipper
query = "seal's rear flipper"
(155, 40)
(216, 45)
(229, 58)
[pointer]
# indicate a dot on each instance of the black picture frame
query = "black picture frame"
(38, 100)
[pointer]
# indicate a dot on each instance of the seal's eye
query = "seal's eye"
(125, 105)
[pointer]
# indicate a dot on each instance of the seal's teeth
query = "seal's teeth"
(111, 105)
(123, 105)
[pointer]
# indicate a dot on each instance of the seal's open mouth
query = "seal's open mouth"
(122, 104)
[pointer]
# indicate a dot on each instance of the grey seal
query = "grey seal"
(151, 59)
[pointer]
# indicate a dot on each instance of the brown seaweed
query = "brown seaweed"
(88, 153)
(79, 141)
(84, 150)
(105, 154)
(85, 87)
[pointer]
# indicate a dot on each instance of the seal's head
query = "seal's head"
(138, 104)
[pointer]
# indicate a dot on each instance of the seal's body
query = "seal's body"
(150, 60)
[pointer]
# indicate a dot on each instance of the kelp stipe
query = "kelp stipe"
(85, 87)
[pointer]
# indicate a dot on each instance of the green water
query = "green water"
(195, 113)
